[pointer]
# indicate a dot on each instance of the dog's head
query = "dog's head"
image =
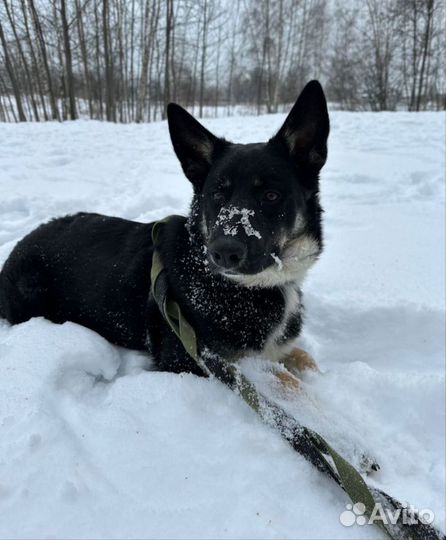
(256, 205)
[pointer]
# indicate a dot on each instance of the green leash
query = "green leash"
(304, 440)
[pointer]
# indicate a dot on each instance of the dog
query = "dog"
(235, 265)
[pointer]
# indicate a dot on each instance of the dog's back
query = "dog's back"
(68, 269)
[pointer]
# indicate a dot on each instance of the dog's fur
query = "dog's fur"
(235, 265)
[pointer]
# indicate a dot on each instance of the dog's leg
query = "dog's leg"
(299, 360)
(296, 361)
(287, 380)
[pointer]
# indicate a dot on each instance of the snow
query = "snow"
(278, 261)
(95, 445)
(230, 226)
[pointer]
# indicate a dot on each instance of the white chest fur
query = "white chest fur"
(275, 349)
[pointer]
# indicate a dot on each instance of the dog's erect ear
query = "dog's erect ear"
(194, 145)
(305, 131)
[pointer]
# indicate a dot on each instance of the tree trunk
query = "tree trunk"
(132, 62)
(35, 62)
(110, 112)
(24, 61)
(169, 23)
(142, 89)
(69, 79)
(84, 57)
(217, 74)
(426, 45)
(203, 57)
(8, 97)
(40, 38)
(12, 78)
(100, 95)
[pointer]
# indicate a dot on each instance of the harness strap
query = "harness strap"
(305, 441)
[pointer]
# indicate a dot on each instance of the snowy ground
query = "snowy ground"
(93, 445)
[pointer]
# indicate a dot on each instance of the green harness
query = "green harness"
(304, 440)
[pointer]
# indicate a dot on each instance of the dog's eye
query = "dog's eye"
(219, 196)
(271, 196)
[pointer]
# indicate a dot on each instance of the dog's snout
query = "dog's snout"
(227, 253)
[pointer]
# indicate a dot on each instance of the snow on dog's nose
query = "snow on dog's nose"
(233, 219)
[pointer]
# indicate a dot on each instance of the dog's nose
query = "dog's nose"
(227, 253)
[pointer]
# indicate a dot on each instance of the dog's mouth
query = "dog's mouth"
(278, 264)
(277, 267)
(247, 266)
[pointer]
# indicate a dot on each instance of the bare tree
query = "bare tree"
(417, 32)
(84, 56)
(110, 111)
(378, 65)
(167, 57)
(18, 41)
(124, 60)
(69, 78)
(204, 39)
(43, 51)
(12, 76)
(344, 81)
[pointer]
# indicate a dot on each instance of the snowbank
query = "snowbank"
(95, 445)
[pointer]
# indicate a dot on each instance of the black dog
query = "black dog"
(235, 265)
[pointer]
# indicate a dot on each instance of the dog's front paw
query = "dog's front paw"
(299, 360)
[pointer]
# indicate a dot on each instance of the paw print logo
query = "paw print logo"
(353, 514)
